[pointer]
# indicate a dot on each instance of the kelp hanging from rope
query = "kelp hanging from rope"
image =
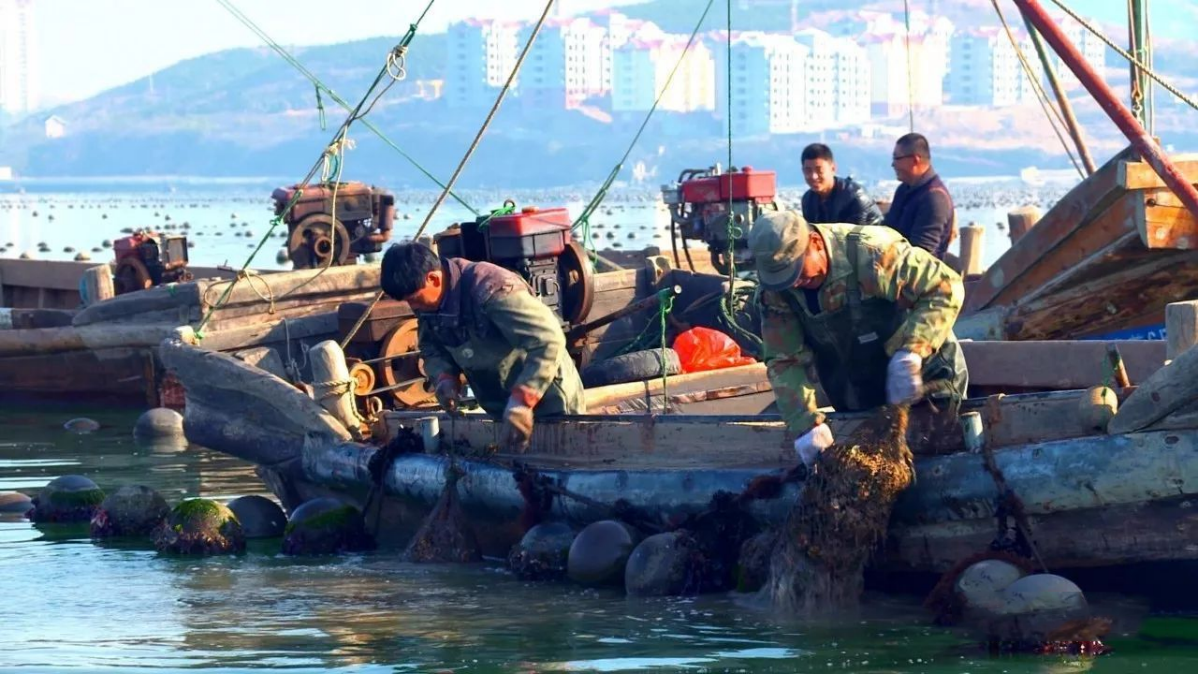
(840, 516)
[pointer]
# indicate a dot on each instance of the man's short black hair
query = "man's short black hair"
(405, 266)
(817, 151)
(915, 143)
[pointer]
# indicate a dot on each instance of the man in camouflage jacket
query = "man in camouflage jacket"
(857, 310)
(482, 321)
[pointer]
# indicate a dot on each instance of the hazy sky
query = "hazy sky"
(87, 46)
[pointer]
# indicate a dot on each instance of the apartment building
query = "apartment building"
(18, 58)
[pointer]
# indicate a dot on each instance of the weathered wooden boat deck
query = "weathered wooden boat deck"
(1109, 255)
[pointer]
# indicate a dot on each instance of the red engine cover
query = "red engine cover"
(743, 185)
(127, 245)
(531, 233)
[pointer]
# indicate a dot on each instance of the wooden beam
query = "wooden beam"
(681, 441)
(1168, 390)
(1108, 301)
(1112, 230)
(1164, 222)
(1135, 175)
(677, 385)
(1057, 364)
(1181, 327)
(1072, 212)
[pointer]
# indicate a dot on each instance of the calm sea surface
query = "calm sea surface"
(73, 605)
(226, 224)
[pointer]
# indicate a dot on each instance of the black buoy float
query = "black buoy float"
(543, 552)
(599, 553)
(132, 510)
(157, 424)
(200, 526)
(259, 516)
(70, 498)
(325, 526)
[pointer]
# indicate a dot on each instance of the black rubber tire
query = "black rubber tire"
(635, 366)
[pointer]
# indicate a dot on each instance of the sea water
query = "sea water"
(72, 605)
(225, 224)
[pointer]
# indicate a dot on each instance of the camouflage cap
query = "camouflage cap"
(778, 241)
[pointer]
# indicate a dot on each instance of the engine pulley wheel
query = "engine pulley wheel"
(400, 340)
(318, 241)
(577, 283)
(130, 275)
(363, 378)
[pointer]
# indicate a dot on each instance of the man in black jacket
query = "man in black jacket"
(922, 209)
(832, 199)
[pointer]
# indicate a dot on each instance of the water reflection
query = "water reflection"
(120, 605)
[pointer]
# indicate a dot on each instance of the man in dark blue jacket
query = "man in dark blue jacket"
(831, 199)
(922, 209)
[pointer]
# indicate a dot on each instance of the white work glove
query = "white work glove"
(812, 443)
(904, 383)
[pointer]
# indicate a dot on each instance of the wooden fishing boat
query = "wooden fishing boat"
(1137, 486)
(107, 349)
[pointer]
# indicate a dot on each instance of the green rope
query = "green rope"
(224, 296)
(665, 306)
(727, 311)
(329, 158)
(320, 108)
(733, 232)
(584, 219)
(508, 208)
(295, 63)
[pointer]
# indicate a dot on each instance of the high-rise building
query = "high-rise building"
(569, 63)
(642, 65)
(1092, 50)
(986, 69)
(480, 54)
(836, 80)
(768, 86)
(18, 58)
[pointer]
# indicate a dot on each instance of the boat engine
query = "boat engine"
(145, 259)
(699, 203)
(334, 224)
(537, 245)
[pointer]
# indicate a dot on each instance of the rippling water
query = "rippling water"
(73, 605)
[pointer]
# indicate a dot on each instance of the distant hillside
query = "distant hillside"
(246, 112)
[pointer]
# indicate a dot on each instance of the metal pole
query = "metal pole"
(1141, 85)
(1110, 104)
(1075, 131)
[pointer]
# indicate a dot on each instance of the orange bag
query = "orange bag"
(701, 349)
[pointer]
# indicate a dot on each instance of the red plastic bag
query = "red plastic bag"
(701, 349)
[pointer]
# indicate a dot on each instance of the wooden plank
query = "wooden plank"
(1166, 391)
(677, 385)
(1106, 303)
(1111, 229)
(1135, 175)
(65, 274)
(1057, 364)
(680, 441)
(321, 325)
(1072, 212)
(1181, 327)
(113, 373)
(1164, 222)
